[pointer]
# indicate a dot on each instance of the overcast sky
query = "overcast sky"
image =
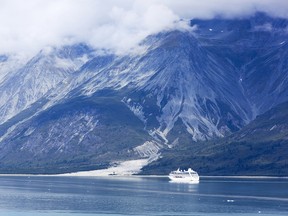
(26, 26)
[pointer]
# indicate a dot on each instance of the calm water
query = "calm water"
(55, 196)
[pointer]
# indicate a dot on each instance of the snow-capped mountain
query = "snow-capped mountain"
(41, 74)
(74, 108)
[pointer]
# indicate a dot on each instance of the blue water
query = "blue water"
(79, 196)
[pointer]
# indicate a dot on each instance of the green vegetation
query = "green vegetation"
(260, 148)
(115, 133)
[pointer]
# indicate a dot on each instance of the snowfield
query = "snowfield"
(124, 168)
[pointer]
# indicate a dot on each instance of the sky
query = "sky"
(27, 26)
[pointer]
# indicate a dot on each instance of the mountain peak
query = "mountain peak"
(184, 88)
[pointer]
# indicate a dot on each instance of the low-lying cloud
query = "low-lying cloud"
(118, 25)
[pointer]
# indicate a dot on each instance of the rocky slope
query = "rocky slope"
(260, 148)
(75, 108)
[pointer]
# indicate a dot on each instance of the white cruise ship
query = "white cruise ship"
(187, 176)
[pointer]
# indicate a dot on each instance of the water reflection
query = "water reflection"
(191, 187)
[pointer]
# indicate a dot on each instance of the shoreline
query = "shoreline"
(140, 176)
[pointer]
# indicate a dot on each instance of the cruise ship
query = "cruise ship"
(185, 176)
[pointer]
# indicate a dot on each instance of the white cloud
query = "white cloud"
(119, 25)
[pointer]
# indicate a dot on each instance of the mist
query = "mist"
(115, 25)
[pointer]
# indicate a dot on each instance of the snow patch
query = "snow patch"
(148, 149)
(66, 64)
(8, 132)
(29, 131)
(158, 135)
(123, 168)
(272, 128)
(267, 27)
(136, 108)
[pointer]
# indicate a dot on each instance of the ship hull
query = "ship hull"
(184, 180)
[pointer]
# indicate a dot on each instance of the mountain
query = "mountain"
(38, 76)
(76, 108)
(257, 47)
(257, 149)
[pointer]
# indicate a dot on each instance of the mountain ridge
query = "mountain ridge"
(184, 87)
